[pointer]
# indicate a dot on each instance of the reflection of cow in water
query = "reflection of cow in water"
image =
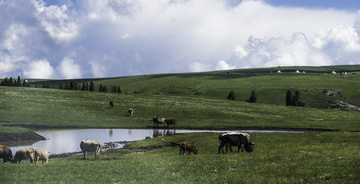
(111, 103)
(242, 140)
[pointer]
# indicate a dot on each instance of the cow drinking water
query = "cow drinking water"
(90, 146)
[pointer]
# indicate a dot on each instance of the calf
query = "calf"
(24, 154)
(111, 104)
(41, 154)
(188, 146)
(6, 153)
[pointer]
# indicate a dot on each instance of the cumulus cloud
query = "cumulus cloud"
(69, 69)
(118, 38)
(38, 69)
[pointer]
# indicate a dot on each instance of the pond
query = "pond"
(65, 141)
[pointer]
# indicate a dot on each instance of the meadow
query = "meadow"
(198, 101)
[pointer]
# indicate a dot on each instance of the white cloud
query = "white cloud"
(222, 65)
(69, 69)
(161, 36)
(38, 69)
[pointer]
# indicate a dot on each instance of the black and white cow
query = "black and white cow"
(242, 140)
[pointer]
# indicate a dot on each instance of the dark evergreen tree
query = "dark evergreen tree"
(289, 98)
(24, 83)
(231, 96)
(11, 82)
(83, 87)
(252, 98)
(67, 85)
(19, 82)
(104, 89)
(73, 85)
(100, 88)
(44, 85)
(118, 89)
(92, 86)
(48, 85)
(60, 87)
(87, 87)
(6, 81)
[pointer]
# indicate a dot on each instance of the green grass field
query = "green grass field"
(310, 157)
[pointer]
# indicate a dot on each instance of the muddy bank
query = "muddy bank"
(20, 137)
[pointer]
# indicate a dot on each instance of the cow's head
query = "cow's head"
(249, 147)
(196, 152)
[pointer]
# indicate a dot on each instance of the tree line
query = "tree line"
(291, 100)
(13, 82)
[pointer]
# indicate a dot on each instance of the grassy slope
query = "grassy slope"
(329, 157)
(172, 96)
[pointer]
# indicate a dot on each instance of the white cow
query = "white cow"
(90, 146)
(41, 154)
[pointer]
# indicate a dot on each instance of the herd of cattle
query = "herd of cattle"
(241, 140)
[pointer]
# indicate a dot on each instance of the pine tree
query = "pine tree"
(19, 81)
(44, 85)
(66, 85)
(92, 86)
(289, 98)
(83, 87)
(60, 87)
(11, 82)
(87, 87)
(119, 90)
(252, 98)
(100, 88)
(231, 96)
(104, 89)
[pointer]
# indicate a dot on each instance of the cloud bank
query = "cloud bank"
(92, 38)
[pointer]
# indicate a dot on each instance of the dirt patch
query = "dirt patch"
(20, 137)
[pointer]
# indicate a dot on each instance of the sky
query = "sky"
(69, 39)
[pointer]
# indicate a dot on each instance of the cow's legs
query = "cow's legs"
(221, 147)
(84, 155)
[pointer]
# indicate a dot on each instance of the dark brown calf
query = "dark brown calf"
(188, 146)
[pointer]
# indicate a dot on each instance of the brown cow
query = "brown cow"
(24, 154)
(111, 103)
(188, 146)
(6, 153)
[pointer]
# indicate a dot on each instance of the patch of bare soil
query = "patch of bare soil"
(20, 137)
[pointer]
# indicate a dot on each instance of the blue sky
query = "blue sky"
(93, 38)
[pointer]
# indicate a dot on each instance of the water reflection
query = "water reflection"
(62, 141)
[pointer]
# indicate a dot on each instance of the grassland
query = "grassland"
(310, 157)
(313, 157)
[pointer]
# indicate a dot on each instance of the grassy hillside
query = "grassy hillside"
(172, 96)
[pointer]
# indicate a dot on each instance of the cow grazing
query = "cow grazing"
(131, 111)
(242, 140)
(90, 146)
(155, 119)
(24, 154)
(188, 146)
(158, 121)
(6, 153)
(111, 103)
(41, 154)
(170, 122)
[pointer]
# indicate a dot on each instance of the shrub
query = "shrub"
(231, 96)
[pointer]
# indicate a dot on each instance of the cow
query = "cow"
(111, 103)
(24, 154)
(90, 146)
(158, 121)
(6, 153)
(131, 111)
(242, 140)
(170, 122)
(41, 154)
(188, 146)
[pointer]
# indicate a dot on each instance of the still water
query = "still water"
(64, 141)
